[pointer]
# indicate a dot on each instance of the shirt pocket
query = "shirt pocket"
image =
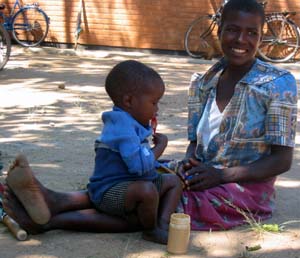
(250, 120)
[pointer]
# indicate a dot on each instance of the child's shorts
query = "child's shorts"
(113, 201)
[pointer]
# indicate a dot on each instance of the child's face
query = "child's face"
(240, 37)
(144, 105)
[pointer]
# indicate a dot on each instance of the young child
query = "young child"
(125, 182)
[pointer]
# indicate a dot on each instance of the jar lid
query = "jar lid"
(180, 218)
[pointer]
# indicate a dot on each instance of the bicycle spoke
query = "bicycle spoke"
(30, 26)
(280, 39)
(200, 38)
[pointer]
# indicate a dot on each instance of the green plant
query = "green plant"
(256, 225)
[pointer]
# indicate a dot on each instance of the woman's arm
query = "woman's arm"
(204, 177)
(277, 163)
(190, 151)
(185, 165)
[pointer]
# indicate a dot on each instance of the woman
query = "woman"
(242, 119)
(242, 122)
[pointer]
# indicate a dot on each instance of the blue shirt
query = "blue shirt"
(122, 153)
(262, 112)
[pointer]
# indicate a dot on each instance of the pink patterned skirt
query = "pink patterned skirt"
(225, 206)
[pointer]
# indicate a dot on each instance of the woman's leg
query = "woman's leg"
(20, 179)
(89, 220)
(34, 196)
(69, 210)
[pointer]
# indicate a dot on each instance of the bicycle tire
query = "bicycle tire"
(275, 48)
(30, 26)
(198, 38)
(5, 47)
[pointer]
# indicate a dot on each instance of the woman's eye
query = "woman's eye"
(230, 29)
(252, 33)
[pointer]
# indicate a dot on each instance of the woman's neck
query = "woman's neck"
(235, 73)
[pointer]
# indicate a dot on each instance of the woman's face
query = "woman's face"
(240, 37)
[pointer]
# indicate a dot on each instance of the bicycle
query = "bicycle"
(280, 40)
(5, 47)
(199, 38)
(29, 25)
(281, 37)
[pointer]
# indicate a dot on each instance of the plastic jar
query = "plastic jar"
(179, 233)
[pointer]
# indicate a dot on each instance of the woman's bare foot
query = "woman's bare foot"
(16, 211)
(21, 180)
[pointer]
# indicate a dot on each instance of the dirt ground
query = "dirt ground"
(56, 128)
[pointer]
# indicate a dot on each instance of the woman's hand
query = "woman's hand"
(199, 177)
(182, 167)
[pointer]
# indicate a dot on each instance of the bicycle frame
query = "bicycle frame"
(212, 25)
(8, 19)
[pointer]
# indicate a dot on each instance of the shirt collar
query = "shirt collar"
(147, 128)
(260, 73)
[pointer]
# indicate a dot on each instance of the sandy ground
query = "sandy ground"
(56, 129)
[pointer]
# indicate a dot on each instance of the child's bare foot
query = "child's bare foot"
(22, 182)
(16, 211)
(156, 235)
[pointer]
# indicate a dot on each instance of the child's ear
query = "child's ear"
(127, 100)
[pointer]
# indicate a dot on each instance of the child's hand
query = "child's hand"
(153, 123)
(160, 139)
(160, 142)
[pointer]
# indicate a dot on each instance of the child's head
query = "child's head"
(135, 88)
(247, 6)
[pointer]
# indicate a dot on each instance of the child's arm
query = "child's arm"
(160, 142)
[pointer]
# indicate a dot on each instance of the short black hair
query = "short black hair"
(129, 76)
(248, 6)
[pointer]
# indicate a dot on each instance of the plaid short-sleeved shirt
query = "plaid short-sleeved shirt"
(261, 113)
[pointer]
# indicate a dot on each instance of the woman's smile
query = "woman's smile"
(238, 50)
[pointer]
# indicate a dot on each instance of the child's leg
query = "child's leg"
(142, 199)
(170, 194)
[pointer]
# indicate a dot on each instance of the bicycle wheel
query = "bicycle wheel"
(30, 26)
(280, 39)
(198, 40)
(5, 47)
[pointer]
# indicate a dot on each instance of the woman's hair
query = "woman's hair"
(129, 77)
(248, 6)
